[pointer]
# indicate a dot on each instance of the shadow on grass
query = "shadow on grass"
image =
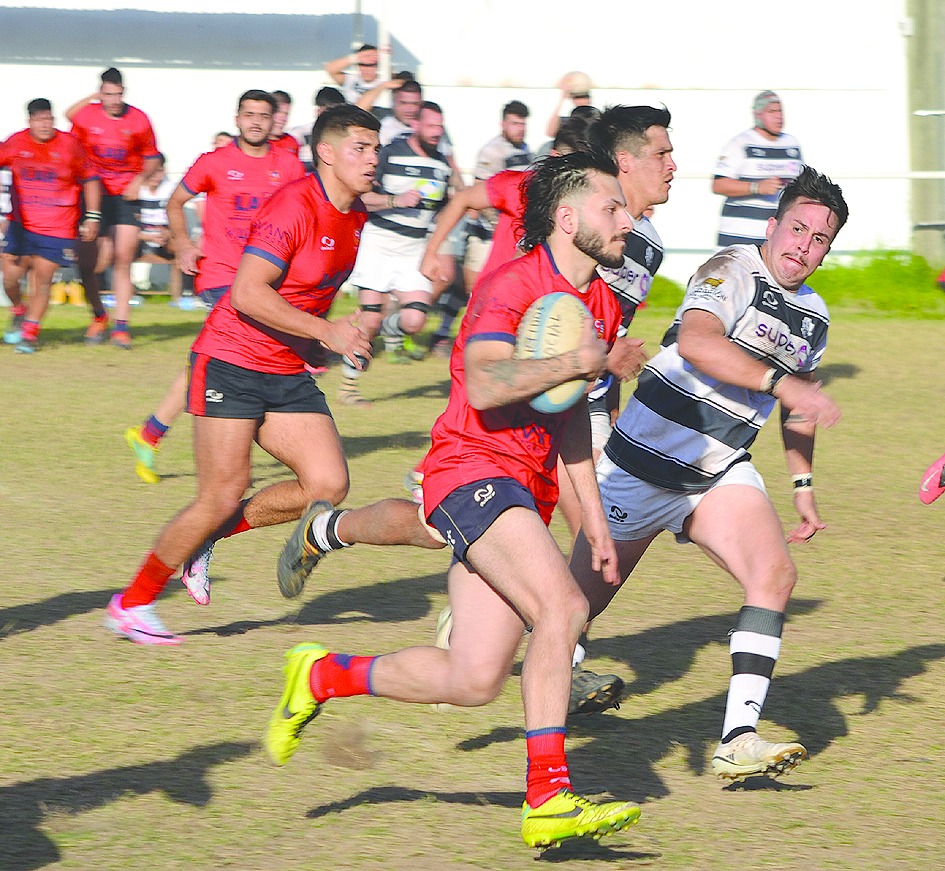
(836, 372)
(32, 615)
(436, 389)
(399, 601)
(143, 333)
(663, 654)
(805, 703)
(25, 806)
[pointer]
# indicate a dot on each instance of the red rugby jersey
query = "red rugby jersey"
(118, 146)
(315, 246)
(513, 441)
(286, 142)
(236, 186)
(506, 197)
(47, 182)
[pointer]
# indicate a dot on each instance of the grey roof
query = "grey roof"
(130, 37)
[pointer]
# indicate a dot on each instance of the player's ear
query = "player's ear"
(566, 218)
(325, 152)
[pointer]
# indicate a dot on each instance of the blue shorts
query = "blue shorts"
(212, 295)
(117, 211)
(463, 516)
(22, 243)
(220, 389)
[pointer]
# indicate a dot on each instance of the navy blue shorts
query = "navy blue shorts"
(117, 211)
(212, 295)
(220, 389)
(22, 243)
(463, 516)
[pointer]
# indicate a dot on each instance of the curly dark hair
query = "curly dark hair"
(813, 185)
(552, 180)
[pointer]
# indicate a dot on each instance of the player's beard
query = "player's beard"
(592, 244)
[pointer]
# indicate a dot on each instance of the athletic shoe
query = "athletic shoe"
(297, 708)
(412, 349)
(298, 557)
(140, 624)
(26, 346)
(748, 754)
(397, 356)
(592, 693)
(97, 331)
(933, 481)
(145, 455)
(121, 339)
(413, 484)
(567, 815)
(444, 626)
(196, 573)
(12, 336)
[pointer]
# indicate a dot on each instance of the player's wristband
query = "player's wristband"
(91, 215)
(802, 482)
(753, 188)
(390, 202)
(771, 380)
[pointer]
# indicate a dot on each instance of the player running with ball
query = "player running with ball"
(490, 488)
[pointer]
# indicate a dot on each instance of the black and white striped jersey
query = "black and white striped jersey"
(683, 429)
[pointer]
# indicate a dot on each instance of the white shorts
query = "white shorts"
(388, 261)
(636, 509)
(477, 253)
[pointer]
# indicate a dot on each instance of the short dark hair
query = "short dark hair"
(411, 86)
(430, 106)
(551, 181)
(515, 107)
(404, 76)
(113, 77)
(282, 97)
(813, 185)
(40, 104)
(366, 47)
(338, 119)
(261, 96)
(587, 113)
(572, 135)
(327, 97)
(160, 158)
(623, 128)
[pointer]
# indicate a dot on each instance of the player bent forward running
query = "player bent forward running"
(490, 489)
(248, 380)
(749, 332)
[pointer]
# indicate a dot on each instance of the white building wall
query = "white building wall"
(839, 67)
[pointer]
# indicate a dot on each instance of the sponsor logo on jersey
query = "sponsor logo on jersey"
(599, 327)
(807, 327)
(484, 495)
(783, 341)
(648, 257)
(708, 288)
(235, 175)
(769, 299)
(328, 244)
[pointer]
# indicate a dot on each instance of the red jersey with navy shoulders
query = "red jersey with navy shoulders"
(118, 146)
(505, 195)
(286, 142)
(47, 182)
(513, 441)
(236, 186)
(315, 246)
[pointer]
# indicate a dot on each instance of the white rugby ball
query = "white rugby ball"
(577, 82)
(552, 326)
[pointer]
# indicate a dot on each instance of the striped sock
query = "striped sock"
(153, 431)
(755, 645)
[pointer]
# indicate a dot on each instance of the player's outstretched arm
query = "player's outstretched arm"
(435, 266)
(494, 378)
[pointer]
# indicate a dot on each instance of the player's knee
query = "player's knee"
(478, 687)
(333, 489)
(413, 316)
(781, 580)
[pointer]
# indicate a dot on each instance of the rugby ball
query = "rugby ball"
(577, 82)
(552, 326)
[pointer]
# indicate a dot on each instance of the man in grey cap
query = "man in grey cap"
(751, 172)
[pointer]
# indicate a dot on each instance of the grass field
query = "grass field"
(114, 755)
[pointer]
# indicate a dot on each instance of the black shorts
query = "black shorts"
(220, 389)
(117, 211)
(463, 516)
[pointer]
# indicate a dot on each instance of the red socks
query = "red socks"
(339, 675)
(547, 765)
(152, 577)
